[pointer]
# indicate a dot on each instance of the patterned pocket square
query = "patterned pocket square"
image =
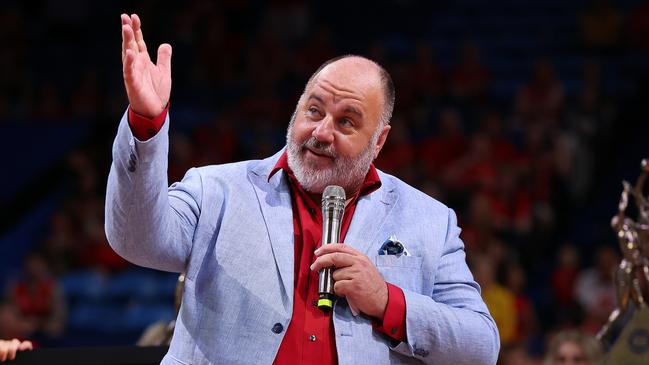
(392, 246)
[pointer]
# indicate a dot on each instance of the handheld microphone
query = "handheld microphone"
(333, 208)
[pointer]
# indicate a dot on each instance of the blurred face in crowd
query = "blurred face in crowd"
(336, 131)
(36, 268)
(570, 353)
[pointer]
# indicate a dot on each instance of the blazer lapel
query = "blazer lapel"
(275, 203)
(371, 213)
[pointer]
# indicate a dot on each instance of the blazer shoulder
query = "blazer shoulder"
(240, 169)
(409, 195)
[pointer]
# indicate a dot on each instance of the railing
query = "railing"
(129, 355)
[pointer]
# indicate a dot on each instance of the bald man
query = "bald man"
(248, 234)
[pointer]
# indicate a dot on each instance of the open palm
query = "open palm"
(148, 85)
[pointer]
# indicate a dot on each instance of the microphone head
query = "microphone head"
(333, 191)
(333, 200)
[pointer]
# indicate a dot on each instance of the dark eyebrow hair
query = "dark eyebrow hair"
(317, 97)
(351, 109)
(348, 109)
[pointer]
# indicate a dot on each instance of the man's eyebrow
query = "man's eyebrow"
(351, 109)
(316, 97)
(348, 108)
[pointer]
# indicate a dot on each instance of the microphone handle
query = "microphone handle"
(330, 234)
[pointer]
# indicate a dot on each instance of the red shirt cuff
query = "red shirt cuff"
(144, 128)
(394, 318)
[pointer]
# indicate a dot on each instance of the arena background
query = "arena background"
(524, 116)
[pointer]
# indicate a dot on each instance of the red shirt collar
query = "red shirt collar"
(371, 183)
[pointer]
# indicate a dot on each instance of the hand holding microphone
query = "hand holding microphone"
(345, 271)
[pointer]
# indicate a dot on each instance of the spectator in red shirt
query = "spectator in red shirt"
(565, 275)
(470, 78)
(14, 325)
(446, 146)
(429, 80)
(542, 99)
(39, 299)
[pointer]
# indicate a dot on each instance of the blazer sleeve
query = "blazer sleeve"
(453, 324)
(147, 222)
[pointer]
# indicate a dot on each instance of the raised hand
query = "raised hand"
(148, 85)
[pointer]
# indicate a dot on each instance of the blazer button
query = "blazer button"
(277, 328)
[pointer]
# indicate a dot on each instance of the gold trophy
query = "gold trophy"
(631, 281)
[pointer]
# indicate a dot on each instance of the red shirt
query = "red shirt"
(310, 337)
(34, 299)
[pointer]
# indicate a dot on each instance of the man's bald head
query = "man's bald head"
(362, 65)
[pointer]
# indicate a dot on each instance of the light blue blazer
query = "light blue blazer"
(230, 229)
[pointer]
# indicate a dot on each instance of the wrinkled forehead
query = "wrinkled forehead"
(350, 77)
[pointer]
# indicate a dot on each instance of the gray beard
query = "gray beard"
(347, 172)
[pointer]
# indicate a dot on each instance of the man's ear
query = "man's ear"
(381, 141)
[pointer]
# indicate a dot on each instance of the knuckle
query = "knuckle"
(356, 286)
(339, 289)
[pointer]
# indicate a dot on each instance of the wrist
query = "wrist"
(147, 113)
(382, 302)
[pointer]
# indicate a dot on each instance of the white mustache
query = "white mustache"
(319, 147)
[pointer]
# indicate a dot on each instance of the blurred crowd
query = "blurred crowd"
(519, 166)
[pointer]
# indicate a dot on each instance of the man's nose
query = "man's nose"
(324, 131)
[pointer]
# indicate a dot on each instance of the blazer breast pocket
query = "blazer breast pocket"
(411, 262)
(403, 271)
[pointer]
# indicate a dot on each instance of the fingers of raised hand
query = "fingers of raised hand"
(137, 31)
(128, 42)
(126, 20)
(164, 57)
(130, 34)
(129, 60)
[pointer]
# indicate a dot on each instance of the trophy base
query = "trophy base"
(632, 346)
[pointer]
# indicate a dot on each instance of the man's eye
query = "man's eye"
(346, 122)
(313, 110)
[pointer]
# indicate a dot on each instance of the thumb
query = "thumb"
(164, 57)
